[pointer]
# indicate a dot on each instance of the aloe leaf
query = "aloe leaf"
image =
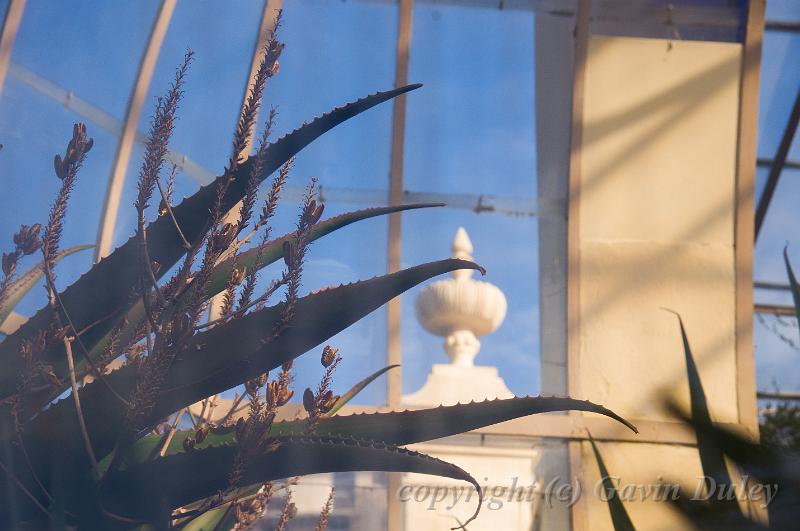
(106, 289)
(407, 427)
(317, 317)
(793, 284)
(273, 251)
(400, 427)
(619, 516)
(177, 480)
(224, 357)
(712, 458)
(357, 388)
(23, 284)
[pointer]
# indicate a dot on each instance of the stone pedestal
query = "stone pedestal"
(453, 384)
(506, 475)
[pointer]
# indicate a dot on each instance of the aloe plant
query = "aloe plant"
(102, 455)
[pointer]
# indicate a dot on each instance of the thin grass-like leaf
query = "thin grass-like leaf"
(711, 457)
(792, 283)
(619, 516)
(357, 388)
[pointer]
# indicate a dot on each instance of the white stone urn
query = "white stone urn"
(461, 308)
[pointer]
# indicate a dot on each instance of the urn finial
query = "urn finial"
(461, 308)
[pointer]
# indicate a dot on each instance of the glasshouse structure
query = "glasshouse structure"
(578, 199)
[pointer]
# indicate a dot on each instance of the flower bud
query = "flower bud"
(328, 355)
(60, 167)
(288, 254)
(9, 263)
(201, 435)
(241, 425)
(188, 443)
(327, 401)
(237, 276)
(27, 239)
(308, 400)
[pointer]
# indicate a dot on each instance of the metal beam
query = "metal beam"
(767, 395)
(108, 217)
(782, 25)
(768, 163)
(775, 309)
(771, 286)
(778, 164)
(9, 35)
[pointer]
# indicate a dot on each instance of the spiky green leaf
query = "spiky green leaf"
(619, 516)
(403, 427)
(141, 491)
(133, 319)
(224, 357)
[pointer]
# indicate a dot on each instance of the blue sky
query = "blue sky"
(470, 130)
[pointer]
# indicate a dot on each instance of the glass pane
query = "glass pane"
(322, 66)
(780, 81)
(471, 131)
(93, 52)
(776, 338)
(325, 64)
(87, 59)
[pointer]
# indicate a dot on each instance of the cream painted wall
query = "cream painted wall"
(656, 221)
(656, 215)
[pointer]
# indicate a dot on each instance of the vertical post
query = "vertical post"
(394, 389)
(554, 76)
(267, 27)
(8, 36)
(582, 32)
(744, 221)
(108, 217)
(394, 380)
